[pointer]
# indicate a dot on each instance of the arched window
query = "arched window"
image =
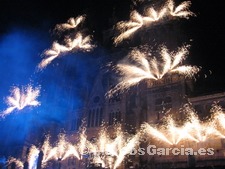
(95, 117)
(114, 117)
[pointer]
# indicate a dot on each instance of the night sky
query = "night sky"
(206, 29)
(26, 31)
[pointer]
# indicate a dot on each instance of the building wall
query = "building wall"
(149, 102)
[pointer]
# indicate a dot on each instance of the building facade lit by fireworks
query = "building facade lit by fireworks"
(143, 100)
(149, 102)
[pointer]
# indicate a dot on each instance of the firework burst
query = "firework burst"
(21, 98)
(151, 16)
(119, 144)
(137, 67)
(192, 129)
(71, 23)
(18, 162)
(181, 10)
(71, 43)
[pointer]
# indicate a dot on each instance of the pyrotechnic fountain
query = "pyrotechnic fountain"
(150, 68)
(119, 145)
(192, 128)
(98, 151)
(111, 150)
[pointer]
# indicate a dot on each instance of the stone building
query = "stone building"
(149, 101)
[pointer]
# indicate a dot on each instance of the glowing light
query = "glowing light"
(71, 23)
(126, 149)
(181, 10)
(33, 157)
(110, 149)
(71, 43)
(137, 67)
(20, 98)
(62, 150)
(18, 162)
(127, 28)
(192, 128)
(156, 133)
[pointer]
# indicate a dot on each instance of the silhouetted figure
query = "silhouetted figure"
(191, 161)
(59, 163)
(13, 165)
(40, 158)
(25, 165)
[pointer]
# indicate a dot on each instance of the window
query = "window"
(71, 161)
(168, 80)
(114, 116)
(75, 124)
(89, 119)
(162, 104)
(96, 99)
(95, 117)
(158, 104)
(115, 98)
(133, 100)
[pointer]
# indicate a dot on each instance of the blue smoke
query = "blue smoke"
(64, 84)
(19, 53)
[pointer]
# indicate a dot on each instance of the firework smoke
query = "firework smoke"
(119, 144)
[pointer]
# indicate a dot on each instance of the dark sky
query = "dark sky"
(206, 29)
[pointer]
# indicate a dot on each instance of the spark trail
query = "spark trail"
(118, 144)
(105, 146)
(192, 129)
(71, 23)
(21, 98)
(137, 67)
(72, 43)
(151, 16)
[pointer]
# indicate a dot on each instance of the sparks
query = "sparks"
(152, 69)
(151, 16)
(192, 129)
(71, 43)
(71, 23)
(21, 98)
(181, 10)
(111, 149)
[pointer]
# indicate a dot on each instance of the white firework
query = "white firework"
(21, 98)
(137, 67)
(127, 28)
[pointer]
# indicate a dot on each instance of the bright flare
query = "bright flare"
(127, 28)
(18, 163)
(21, 98)
(71, 23)
(192, 129)
(110, 149)
(71, 43)
(181, 10)
(153, 69)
